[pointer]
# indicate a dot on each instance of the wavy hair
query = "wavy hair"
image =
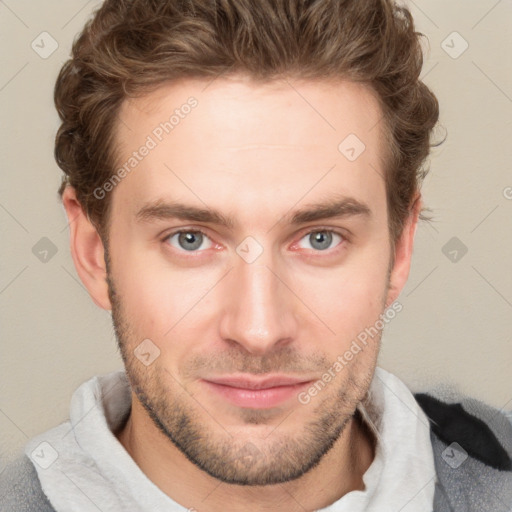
(130, 47)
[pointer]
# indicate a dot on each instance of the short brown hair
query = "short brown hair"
(130, 47)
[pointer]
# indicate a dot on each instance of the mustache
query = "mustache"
(284, 360)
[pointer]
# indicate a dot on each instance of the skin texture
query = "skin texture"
(256, 153)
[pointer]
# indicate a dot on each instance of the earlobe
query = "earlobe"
(403, 252)
(87, 250)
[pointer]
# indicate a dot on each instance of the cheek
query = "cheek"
(157, 298)
(348, 298)
(142, 289)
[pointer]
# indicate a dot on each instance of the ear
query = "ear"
(403, 252)
(87, 250)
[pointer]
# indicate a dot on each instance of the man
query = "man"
(243, 188)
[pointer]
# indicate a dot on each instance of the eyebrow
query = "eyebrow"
(328, 209)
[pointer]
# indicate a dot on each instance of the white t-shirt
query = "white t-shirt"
(82, 466)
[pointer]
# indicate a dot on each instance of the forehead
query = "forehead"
(276, 142)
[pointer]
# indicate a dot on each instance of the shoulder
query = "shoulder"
(484, 432)
(20, 490)
(472, 448)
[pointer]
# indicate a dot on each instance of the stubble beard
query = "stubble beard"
(276, 459)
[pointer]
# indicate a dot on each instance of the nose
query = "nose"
(259, 312)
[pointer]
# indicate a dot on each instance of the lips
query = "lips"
(250, 383)
(263, 393)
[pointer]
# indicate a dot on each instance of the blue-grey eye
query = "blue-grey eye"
(189, 240)
(321, 240)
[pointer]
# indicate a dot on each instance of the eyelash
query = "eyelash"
(320, 229)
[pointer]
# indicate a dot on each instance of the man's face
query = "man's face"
(260, 296)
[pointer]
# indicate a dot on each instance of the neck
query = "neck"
(339, 471)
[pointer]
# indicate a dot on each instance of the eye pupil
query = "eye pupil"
(190, 240)
(323, 238)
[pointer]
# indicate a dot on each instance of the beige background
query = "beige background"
(456, 324)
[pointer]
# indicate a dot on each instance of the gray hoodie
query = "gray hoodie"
(470, 455)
